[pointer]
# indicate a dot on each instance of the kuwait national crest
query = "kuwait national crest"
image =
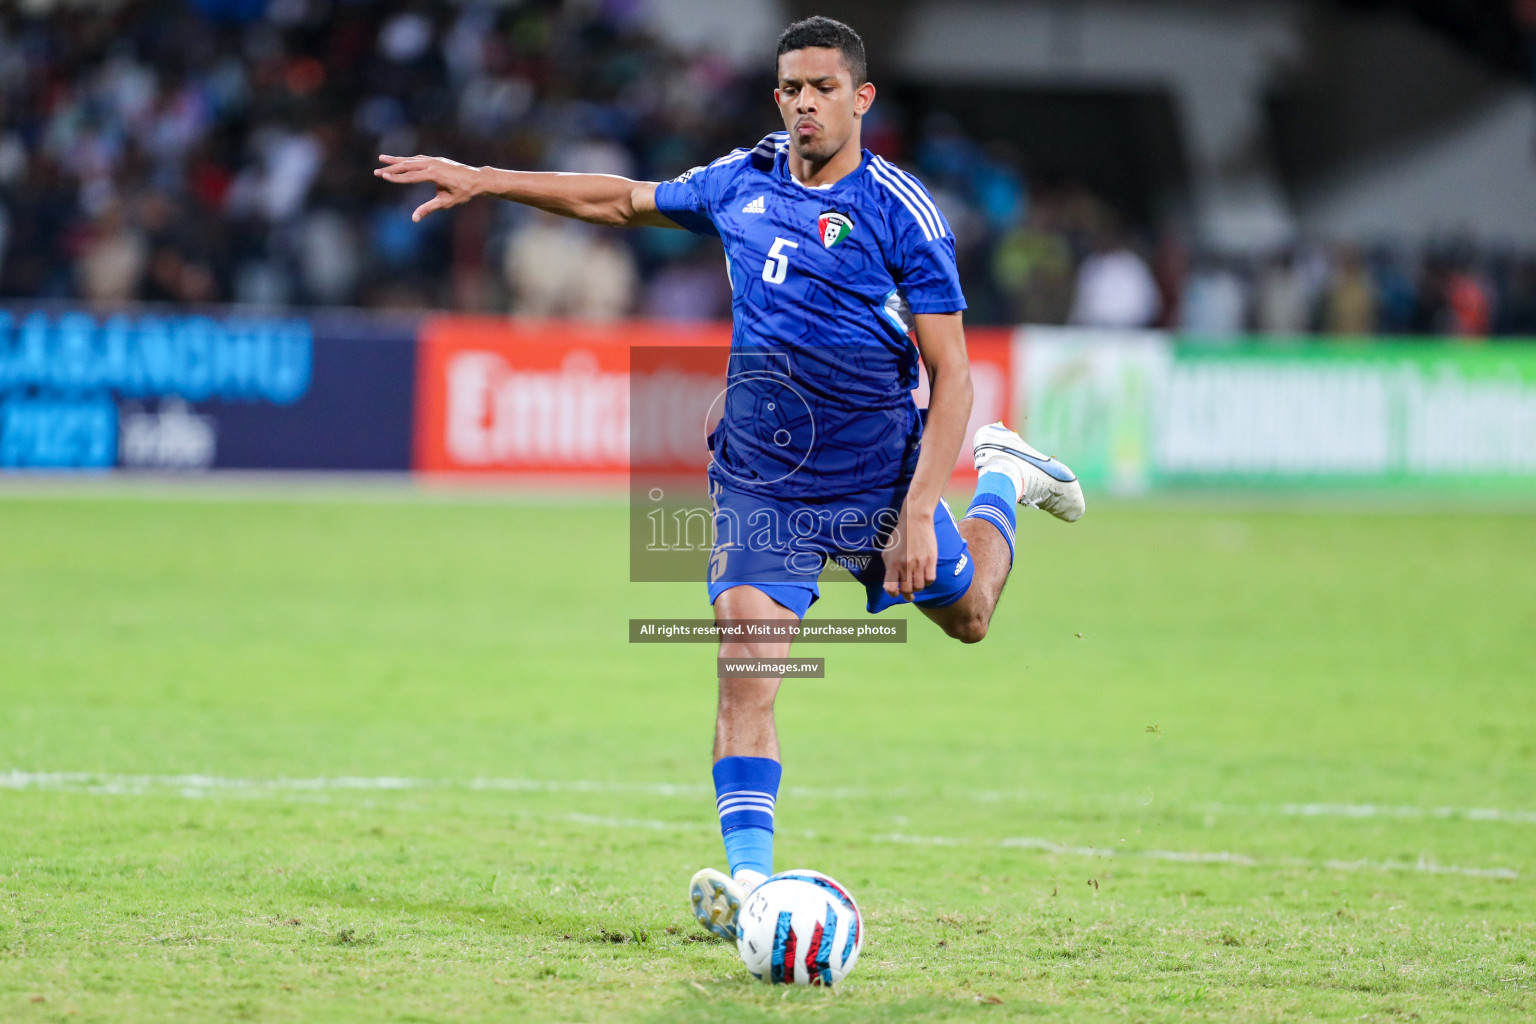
(834, 227)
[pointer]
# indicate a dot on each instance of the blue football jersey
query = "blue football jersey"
(823, 284)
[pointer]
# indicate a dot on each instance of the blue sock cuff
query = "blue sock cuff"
(746, 789)
(996, 509)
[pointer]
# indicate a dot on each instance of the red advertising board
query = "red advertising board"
(552, 399)
(508, 397)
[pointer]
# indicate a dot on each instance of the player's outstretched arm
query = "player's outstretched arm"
(595, 198)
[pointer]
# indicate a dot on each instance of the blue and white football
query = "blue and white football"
(800, 928)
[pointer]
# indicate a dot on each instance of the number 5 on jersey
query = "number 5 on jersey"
(777, 265)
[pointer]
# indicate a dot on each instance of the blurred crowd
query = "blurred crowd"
(1069, 261)
(221, 151)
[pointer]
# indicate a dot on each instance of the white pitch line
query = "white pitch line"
(195, 786)
(109, 784)
(1321, 810)
(1423, 864)
(640, 823)
(131, 785)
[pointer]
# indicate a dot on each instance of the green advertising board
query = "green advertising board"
(1131, 410)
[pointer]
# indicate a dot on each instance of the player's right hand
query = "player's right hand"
(456, 182)
(911, 556)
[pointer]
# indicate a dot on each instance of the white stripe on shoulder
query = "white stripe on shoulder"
(919, 191)
(732, 157)
(931, 227)
(922, 221)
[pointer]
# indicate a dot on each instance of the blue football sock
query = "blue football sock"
(745, 791)
(995, 501)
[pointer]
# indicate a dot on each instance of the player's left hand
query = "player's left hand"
(911, 555)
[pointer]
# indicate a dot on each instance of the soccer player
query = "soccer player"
(837, 259)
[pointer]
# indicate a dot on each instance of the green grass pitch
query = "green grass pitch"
(393, 760)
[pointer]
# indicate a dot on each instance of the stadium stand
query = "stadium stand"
(219, 151)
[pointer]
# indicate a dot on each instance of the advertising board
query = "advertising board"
(1131, 410)
(182, 391)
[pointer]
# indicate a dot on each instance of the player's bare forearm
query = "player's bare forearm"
(594, 198)
(941, 340)
(912, 552)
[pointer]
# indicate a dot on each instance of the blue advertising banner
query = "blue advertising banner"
(159, 391)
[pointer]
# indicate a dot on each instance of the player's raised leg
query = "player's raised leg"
(1009, 473)
(746, 769)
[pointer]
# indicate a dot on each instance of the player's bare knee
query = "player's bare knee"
(968, 629)
(754, 650)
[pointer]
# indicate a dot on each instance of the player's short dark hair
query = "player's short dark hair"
(833, 35)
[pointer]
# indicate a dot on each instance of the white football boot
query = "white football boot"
(717, 899)
(1043, 482)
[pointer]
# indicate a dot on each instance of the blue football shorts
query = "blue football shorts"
(781, 546)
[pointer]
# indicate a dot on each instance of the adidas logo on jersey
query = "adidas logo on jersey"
(755, 206)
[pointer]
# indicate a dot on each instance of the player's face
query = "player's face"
(817, 98)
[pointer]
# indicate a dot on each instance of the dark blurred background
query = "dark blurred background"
(1281, 166)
